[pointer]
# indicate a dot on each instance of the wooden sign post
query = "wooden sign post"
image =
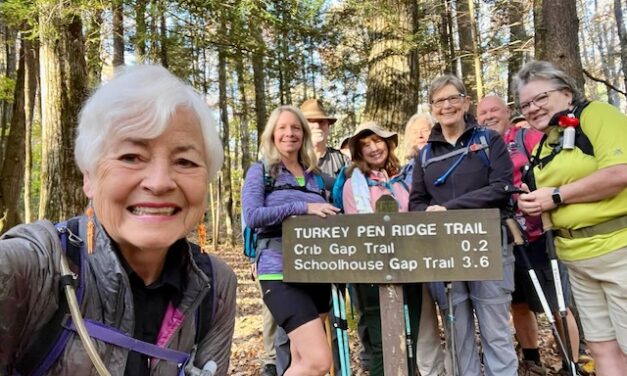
(390, 248)
(392, 312)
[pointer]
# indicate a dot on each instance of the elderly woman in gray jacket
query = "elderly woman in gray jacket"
(152, 303)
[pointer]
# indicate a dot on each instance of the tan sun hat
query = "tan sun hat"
(367, 129)
(313, 109)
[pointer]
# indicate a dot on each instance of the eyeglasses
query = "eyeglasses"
(453, 99)
(539, 100)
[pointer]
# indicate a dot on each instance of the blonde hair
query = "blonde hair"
(269, 152)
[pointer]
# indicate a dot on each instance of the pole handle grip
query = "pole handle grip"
(547, 225)
(513, 227)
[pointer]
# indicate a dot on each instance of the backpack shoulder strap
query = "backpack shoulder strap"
(519, 140)
(49, 342)
(203, 261)
(482, 134)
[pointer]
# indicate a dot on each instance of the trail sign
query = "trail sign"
(453, 245)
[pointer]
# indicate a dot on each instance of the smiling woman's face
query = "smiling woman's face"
(147, 194)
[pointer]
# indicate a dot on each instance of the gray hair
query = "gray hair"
(446, 79)
(270, 153)
(407, 149)
(140, 102)
(543, 70)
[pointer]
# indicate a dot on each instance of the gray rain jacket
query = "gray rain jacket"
(29, 296)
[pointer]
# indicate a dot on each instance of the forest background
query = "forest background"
(367, 60)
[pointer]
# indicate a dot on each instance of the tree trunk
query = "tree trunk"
(446, 42)
(469, 54)
(11, 175)
(517, 37)
(117, 10)
(559, 17)
(622, 36)
(140, 30)
(30, 103)
(63, 78)
(243, 113)
(163, 35)
(389, 80)
(259, 80)
(93, 48)
(539, 28)
(9, 59)
(224, 119)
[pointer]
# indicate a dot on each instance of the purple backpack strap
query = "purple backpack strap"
(115, 337)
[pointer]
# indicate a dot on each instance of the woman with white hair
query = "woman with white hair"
(284, 183)
(151, 302)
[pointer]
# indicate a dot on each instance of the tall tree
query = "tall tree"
(622, 36)
(389, 81)
(63, 78)
(517, 37)
(117, 10)
(243, 111)
(469, 51)
(559, 19)
(31, 86)
(224, 120)
(140, 30)
(93, 46)
(259, 78)
(11, 175)
(447, 48)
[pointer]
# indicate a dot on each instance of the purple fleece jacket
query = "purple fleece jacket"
(266, 213)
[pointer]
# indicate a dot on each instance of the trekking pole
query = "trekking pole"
(520, 241)
(411, 362)
(450, 319)
(550, 247)
(345, 334)
(340, 325)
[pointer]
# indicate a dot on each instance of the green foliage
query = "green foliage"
(17, 12)
(7, 88)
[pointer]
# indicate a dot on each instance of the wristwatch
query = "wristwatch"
(557, 197)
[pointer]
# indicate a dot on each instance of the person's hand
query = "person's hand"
(253, 271)
(434, 208)
(322, 210)
(317, 136)
(536, 202)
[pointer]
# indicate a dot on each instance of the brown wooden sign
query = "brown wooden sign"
(454, 245)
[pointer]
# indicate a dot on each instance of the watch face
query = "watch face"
(557, 197)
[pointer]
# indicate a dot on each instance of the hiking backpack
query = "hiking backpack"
(248, 233)
(477, 143)
(49, 342)
(581, 141)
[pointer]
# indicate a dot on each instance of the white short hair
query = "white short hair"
(139, 102)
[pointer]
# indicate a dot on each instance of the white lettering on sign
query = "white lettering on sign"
(338, 249)
(300, 249)
(335, 232)
(400, 264)
(370, 231)
(383, 249)
(439, 263)
(458, 228)
(354, 265)
(413, 230)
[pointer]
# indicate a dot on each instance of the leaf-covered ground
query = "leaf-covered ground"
(247, 343)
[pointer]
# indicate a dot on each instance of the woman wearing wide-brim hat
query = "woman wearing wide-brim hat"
(375, 172)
